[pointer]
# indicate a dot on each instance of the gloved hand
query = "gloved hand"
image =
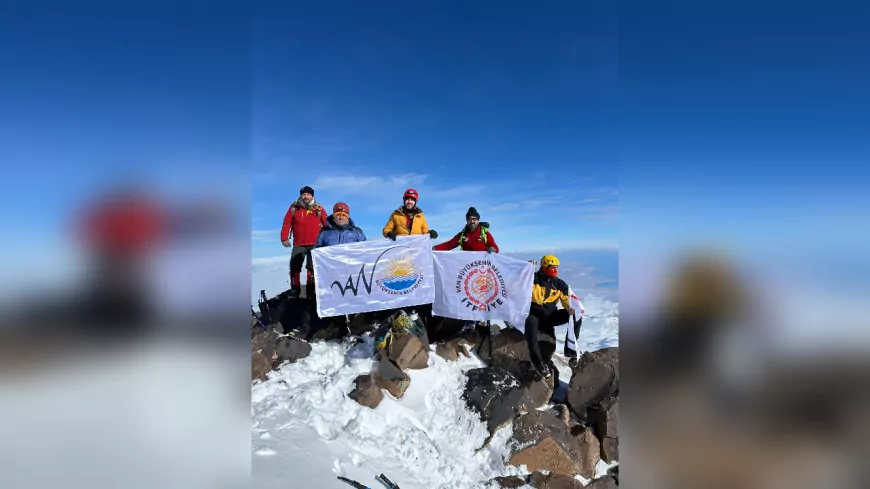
(490, 250)
(392, 235)
(286, 243)
(433, 234)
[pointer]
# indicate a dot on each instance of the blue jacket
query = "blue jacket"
(333, 234)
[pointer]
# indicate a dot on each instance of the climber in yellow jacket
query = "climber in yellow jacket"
(408, 219)
(547, 290)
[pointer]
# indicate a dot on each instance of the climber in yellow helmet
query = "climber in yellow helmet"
(548, 289)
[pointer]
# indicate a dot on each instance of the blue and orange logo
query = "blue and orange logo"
(399, 276)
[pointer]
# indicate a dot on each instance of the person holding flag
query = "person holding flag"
(547, 290)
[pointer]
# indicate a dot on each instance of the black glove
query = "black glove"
(484, 224)
(433, 234)
(490, 250)
(392, 235)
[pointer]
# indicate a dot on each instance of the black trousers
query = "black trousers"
(537, 323)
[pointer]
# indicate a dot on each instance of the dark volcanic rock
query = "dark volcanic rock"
(496, 395)
(269, 351)
(290, 350)
(594, 378)
(606, 482)
(604, 416)
(553, 481)
(451, 349)
(509, 351)
(510, 482)
(546, 444)
(441, 329)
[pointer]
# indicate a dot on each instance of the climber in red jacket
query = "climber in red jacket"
(304, 219)
(475, 236)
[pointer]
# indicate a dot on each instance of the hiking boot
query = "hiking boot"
(544, 370)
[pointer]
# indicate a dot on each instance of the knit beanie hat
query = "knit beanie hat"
(306, 190)
(341, 208)
(472, 212)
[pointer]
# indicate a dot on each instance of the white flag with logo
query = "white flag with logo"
(478, 286)
(574, 303)
(373, 275)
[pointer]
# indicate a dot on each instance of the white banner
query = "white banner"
(478, 286)
(575, 304)
(374, 275)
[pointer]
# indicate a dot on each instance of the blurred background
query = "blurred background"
(126, 259)
(743, 245)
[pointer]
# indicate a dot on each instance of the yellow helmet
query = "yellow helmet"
(549, 261)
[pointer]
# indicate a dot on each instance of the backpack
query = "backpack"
(317, 209)
(482, 235)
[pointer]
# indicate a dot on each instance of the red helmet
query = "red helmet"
(411, 193)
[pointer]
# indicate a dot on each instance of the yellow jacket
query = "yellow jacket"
(399, 222)
(546, 291)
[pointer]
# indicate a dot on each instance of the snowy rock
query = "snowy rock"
(269, 351)
(510, 482)
(594, 379)
(407, 351)
(366, 391)
(260, 366)
(509, 351)
(390, 377)
(290, 350)
(606, 482)
(614, 472)
(553, 481)
(546, 444)
(604, 416)
(450, 350)
(496, 395)
(264, 343)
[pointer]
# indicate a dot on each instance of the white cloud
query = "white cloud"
(265, 234)
(271, 260)
(355, 183)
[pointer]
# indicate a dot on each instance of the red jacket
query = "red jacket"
(471, 242)
(304, 223)
(126, 225)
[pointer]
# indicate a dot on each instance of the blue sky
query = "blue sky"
(501, 109)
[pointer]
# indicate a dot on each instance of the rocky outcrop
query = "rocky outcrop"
(594, 379)
(606, 482)
(553, 481)
(604, 417)
(496, 395)
(543, 442)
(508, 350)
(451, 349)
(269, 351)
(593, 397)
